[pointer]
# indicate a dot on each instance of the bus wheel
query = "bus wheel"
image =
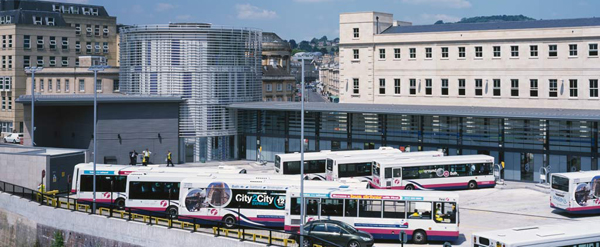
(120, 203)
(419, 237)
(472, 185)
(172, 212)
(409, 187)
(316, 179)
(229, 221)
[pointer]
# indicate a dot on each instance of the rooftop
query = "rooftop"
(462, 111)
(455, 27)
(88, 99)
(57, 7)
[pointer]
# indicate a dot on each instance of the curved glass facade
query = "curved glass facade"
(209, 66)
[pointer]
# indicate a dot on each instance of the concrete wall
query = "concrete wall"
(22, 170)
(23, 223)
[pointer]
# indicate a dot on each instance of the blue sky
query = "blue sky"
(305, 19)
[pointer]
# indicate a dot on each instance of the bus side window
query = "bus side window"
(419, 210)
(370, 209)
(445, 212)
(388, 172)
(332, 207)
(394, 209)
(350, 207)
(295, 207)
(397, 172)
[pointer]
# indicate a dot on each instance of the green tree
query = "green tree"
(324, 38)
(58, 240)
(293, 44)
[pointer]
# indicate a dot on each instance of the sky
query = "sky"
(306, 19)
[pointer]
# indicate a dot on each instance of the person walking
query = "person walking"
(146, 159)
(169, 161)
(133, 158)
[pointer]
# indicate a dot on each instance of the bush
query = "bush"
(58, 239)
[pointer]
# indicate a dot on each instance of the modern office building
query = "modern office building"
(278, 83)
(47, 34)
(208, 66)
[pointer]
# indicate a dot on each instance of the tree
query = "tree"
(58, 240)
(324, 38)
(293, 44)
(314, 41)
(323, 50)
(305, 46)
(439, 22)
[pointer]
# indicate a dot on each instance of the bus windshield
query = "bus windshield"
(330, 165)
(560, 183)
(376, 169)
(277, 161)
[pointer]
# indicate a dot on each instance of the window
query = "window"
(105, 31)
(497, 88)
(88, 47)
(26, 61)
(26, 42)
(50, 21)
(355, 51)
(356, 33)
(462, 52)
(533, 88)
(394, 210)
(289, 86)
(40, 42)
(478, 51)
(332, 207)
(279, 87)
(382, 86)
(552, 50)
(593, 50)
(356, 86)
(49, 85)
(354, 169)
(52, 61)
(77, 47)
(573, 50)
(533, 50)
(381, 53)
(553, 88)
(413, 86)
(397, 53)
(428, 86)
(99, 85)
(77, 29)
(52, 43)
(97, 30)
(428, 52)
(462, 87)
(67, 85)
(3, 41)
(9, 103)
(10, 41)
(269, 87)
(88, 30)
(419, 210)
(497, 51)
(3, 103)
(97, 47)
(514, 87)
(514, 51)
(413, 52)
(64, 61)
(81, 85)
(594, 88)
(65, 43)
(41, 84)
(4, 62)
(444, 52)
(573, 88)
(105, 47)
(444, 86)
(37, 20)
(369, 209)
(478, 87)
(58, 85)
(445, 212)
(396, 86)
(153, 190)
(116, 86)
(40, 61)
(77, 61)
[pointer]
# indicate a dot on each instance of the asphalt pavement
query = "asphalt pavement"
(315, 96)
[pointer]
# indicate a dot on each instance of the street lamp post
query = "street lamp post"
(32, 70)
(303, 204)
(95, 68)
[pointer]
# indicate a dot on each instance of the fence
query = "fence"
(243, 233)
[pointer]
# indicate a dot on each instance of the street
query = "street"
(315, 96)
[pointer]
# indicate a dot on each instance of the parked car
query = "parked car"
(336, 232)
(13, 138)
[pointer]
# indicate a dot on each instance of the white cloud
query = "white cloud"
(164, 7)
(457, 4)
(434, 18)
(250, 12)
(183, 17)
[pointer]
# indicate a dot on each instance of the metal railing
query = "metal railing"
(217, 228)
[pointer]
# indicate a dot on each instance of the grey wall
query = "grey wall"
(22, 170)
(60, 168)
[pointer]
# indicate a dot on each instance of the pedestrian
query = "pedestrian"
(146, 159)
(169, 161)
(133, 158)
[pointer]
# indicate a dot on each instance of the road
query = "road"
(315, 96)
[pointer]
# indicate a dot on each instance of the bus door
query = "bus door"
(387, 174)
(330, 174)
(396, 177)
(313, 209)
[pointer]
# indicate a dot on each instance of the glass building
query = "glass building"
(208, 66)
(526, 139)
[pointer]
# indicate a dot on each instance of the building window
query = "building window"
(49, 85)
(64, 61)
(573, 88)
(65, 43)
(67, 85)
(444, 86)
(553, 88)
(57, 85)
(99, 85)
(356, 86)
(594, 88)
(38, 20)
(514, 51)
(478, 51)
(533, 50)
(552, 50)
(478, 87)
(88, 47)
(397, 53)
(76, 62)
(444, 52)
(97, 47)
(356, 33)
(4, 62)
(413, 52)
(497, 87)
(279, 87)
(289, 87)
(88, 30)
(428, 87)
(40, 42)
(97, 30)
(26, 61)
(105, 31)
(428, 52)
(497, 51)
(41, 84)
(462, 85)
(81, 85)
(514, 87)
(462, 52)
(269, 88)
(593, 50)
(26, 42)
(52, 61)
(116, 86)
(10, 41)
(3, 41)
(381, 86)
(9, 62)
(396, 86)
(533, 88)
(381, 53)
(40, 61)
(413, 86)
(77, 47)
(105, 47)
(52, 43)
(77, 29)
(355, 51)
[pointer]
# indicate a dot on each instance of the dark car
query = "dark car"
(335, 232)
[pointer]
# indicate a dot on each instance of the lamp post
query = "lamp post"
(95, 68)
(303, 204)
(32, 70)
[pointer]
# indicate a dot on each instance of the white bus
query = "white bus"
(360, 166)
(424, 216)
(243, 199)
(314, 162)
(576, 192)
(579, 234)
(440, 173)
(82, 182)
